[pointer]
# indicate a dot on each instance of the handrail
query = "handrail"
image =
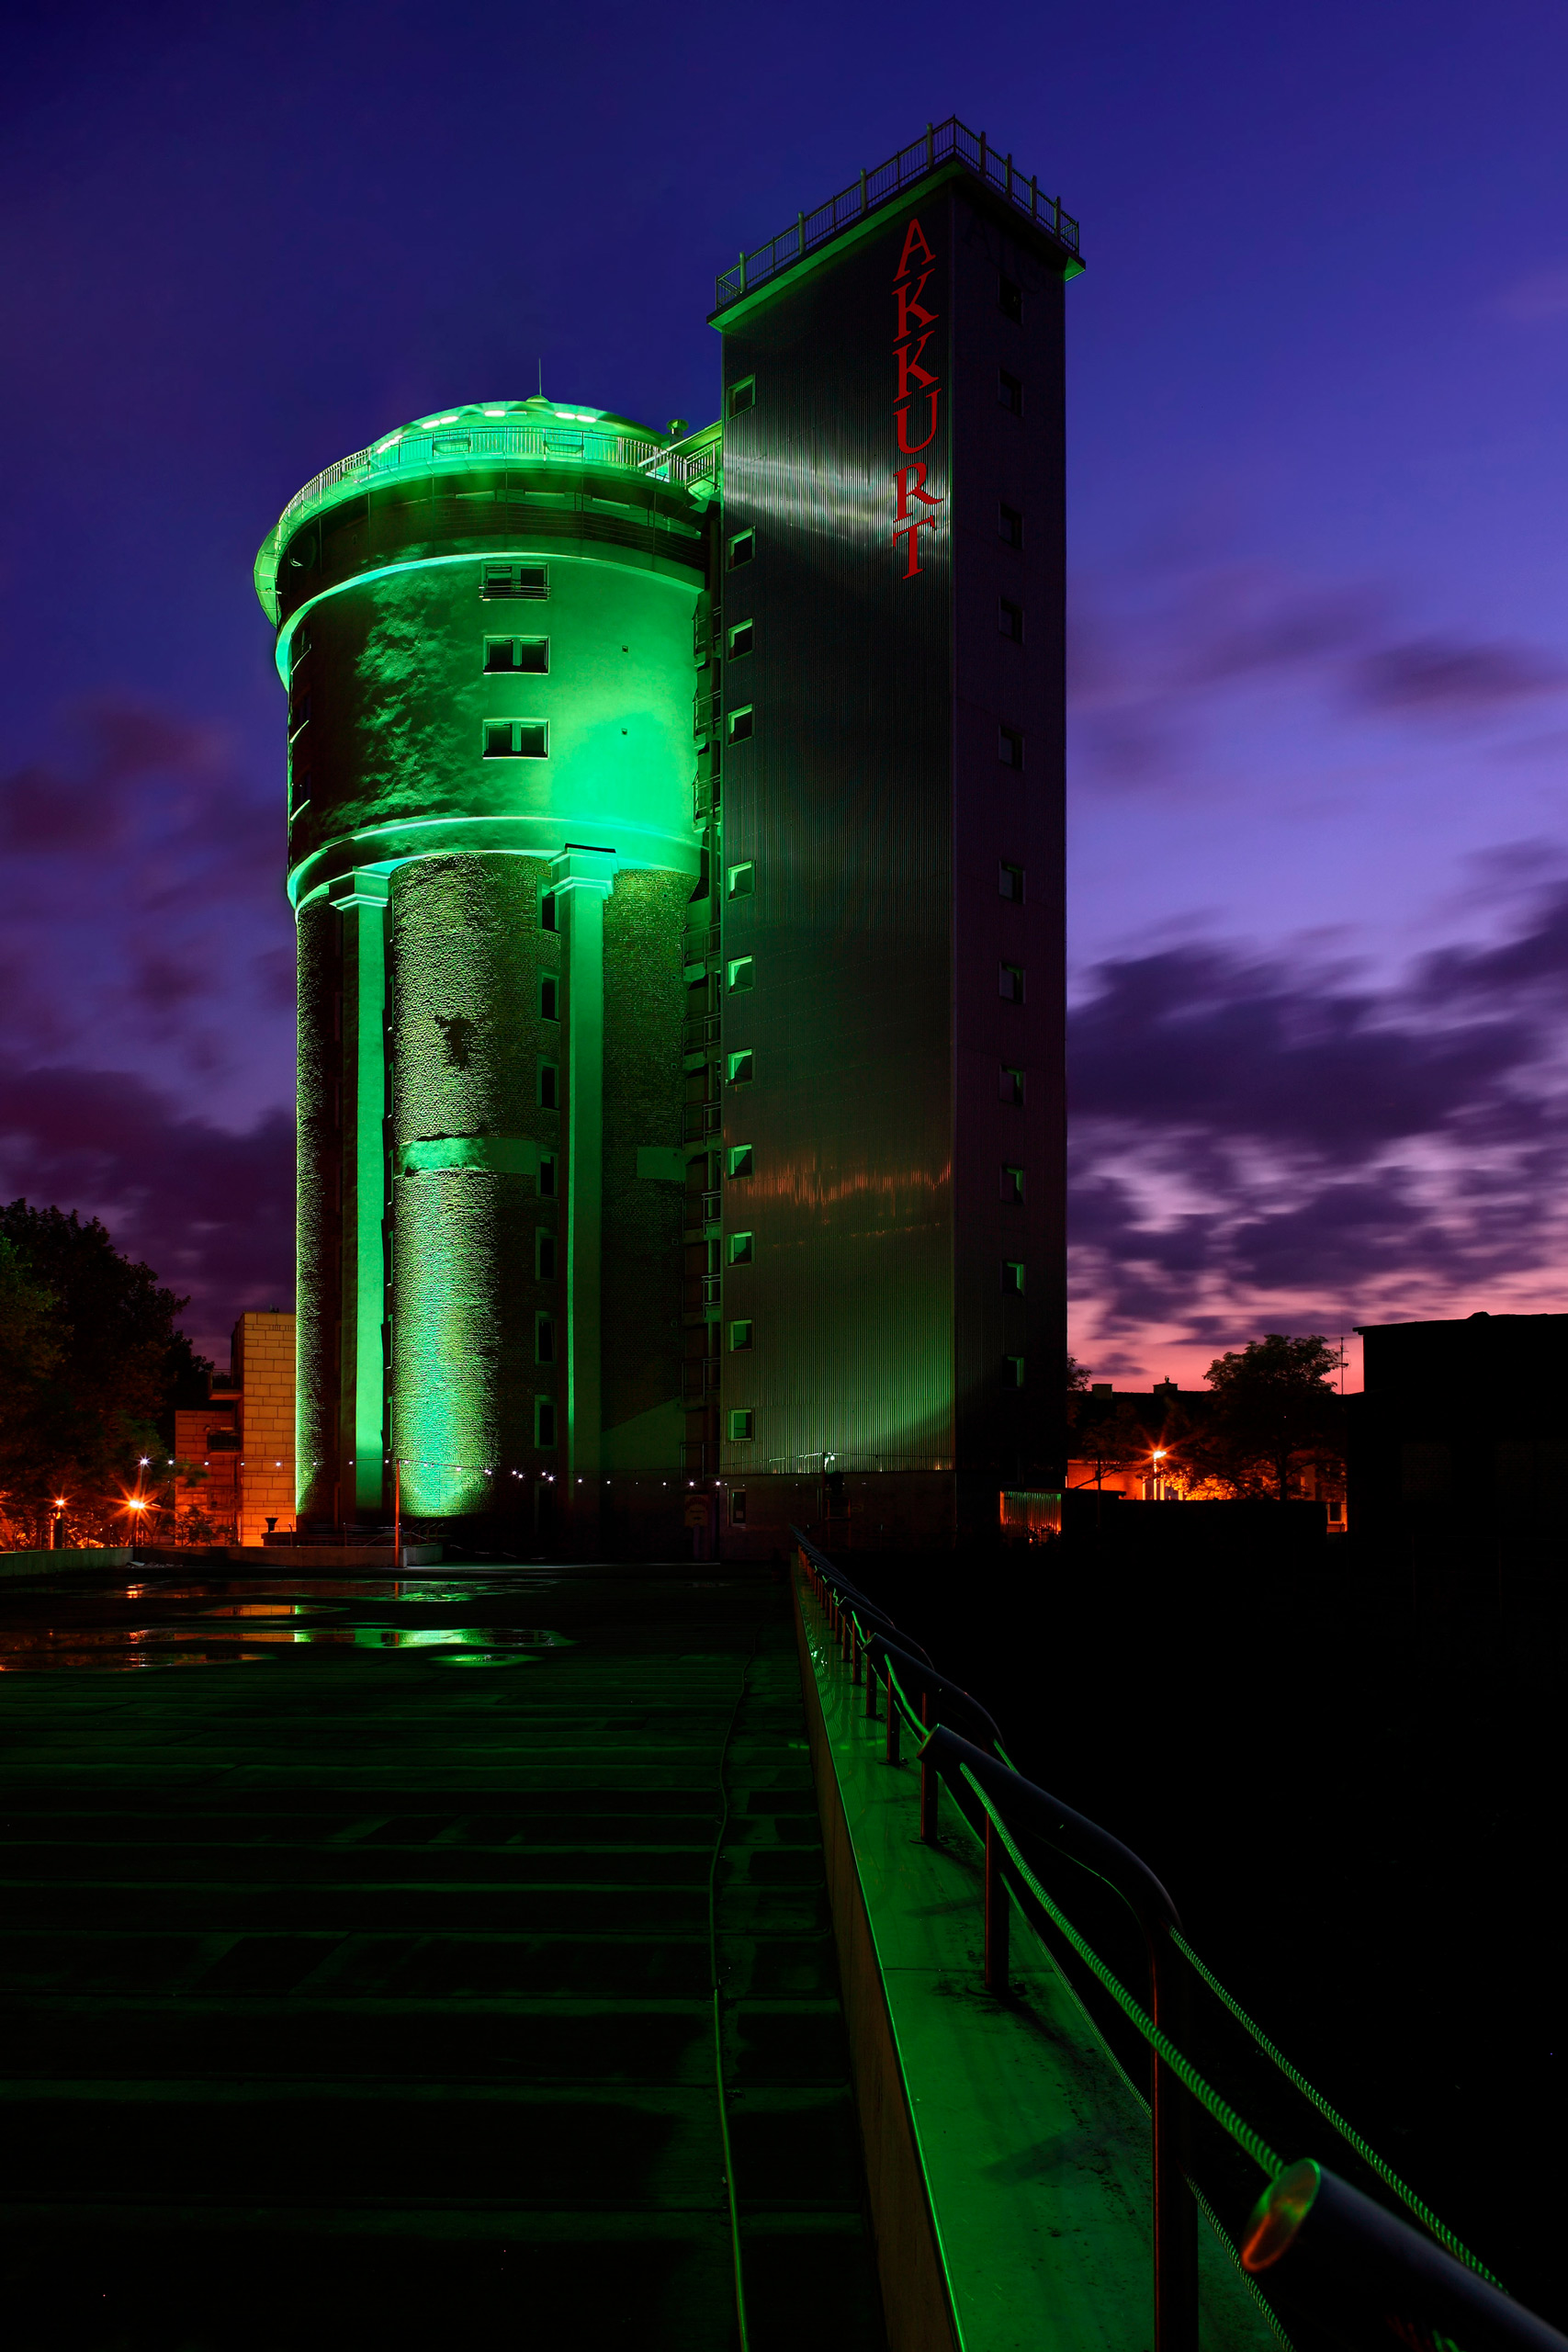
(1360, 2262)
(943, 143)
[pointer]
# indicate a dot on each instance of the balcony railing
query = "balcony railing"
(700, 1029)
(949, 142)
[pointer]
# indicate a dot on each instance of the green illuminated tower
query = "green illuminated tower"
(485, 623)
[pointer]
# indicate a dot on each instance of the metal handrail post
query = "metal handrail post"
(929, 1780)
(1175, 2208)
(870, 1688)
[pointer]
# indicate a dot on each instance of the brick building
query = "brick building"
(242, 1438)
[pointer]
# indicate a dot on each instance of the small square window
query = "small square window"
(742, 1422)
(740, 1070)
(1009, 983)
(544, 1420)
(1010, 1085)
(544, 1339)
(548, 1095)
(1013, 1372)
(1012, 1277)
(544, 1254)
(741, 1248)
(518, 738)
(739, 1335)
(550, 997)
(1009, 526)
(1010, 393)
(742, 548)
(743, 396)
(1010, 746)
(1009, 883)
(547, 1175)
(737, 1507)
(1012, 1183)
(743, 639)
(741, 1160)
(739, 725)
(548, 912)
(1009, 298)
(1010, 620)
(508, 656)
(743, 880)
(742, 971)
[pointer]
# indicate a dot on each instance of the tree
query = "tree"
(1276, 1412)
(92, 1363)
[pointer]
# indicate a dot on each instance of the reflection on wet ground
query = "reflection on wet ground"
(151, 1620)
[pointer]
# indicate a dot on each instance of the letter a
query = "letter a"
(910, 234)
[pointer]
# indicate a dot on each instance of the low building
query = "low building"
(1135, 1444)
(1458, 1443)
(234, 1478)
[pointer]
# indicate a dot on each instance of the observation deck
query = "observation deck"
(570, 1955)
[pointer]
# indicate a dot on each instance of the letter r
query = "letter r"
(908, 489)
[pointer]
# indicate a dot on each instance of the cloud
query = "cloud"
(1253, 1136)
(1541, 295)
(210, 1209)
(1447, 677)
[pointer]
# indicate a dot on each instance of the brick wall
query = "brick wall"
(264, 1365)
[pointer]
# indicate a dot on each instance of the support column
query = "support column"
(582, 881)
(361, 901)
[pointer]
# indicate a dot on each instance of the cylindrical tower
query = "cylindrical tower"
(485, 624)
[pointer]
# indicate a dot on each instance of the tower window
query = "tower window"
(1009, 983)
(1012, 1183)
(1013, 1372)
(547, 1175)
(1010, 393)
(743, 880)
(740, 1069)
(507, 655)
(743, 396)
(742, 1422)
(548, 914)
(741, 1248)
(739, 726)
(742, 971)
(737, 1507)
(549, 1086)
(1010, 620)
(514, 580)
(544, 1420)
(743, 639)
(1009, 526)
(1009, 883)
(742, 548)
(1010, 1085)
(739, 1335)
(1012, 1277)
(544, 1339)
(550, 997)
(1009, 298)
(1010, 746)
(518, 738)
(544, 1254)
(741, 1160)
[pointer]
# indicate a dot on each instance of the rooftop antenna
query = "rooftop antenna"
(541, 380)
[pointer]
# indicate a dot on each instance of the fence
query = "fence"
(949, 142)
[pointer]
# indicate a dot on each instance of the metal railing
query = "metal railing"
(949, 142)
(455, 446)
(1332, 2263)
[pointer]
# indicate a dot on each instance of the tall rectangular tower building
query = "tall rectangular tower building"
(887, 856)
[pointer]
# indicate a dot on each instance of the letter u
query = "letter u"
(912, 447)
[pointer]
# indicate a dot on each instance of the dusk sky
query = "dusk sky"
(1317, 472)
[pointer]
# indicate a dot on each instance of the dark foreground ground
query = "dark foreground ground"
(356, 1962)
(1353, 1787)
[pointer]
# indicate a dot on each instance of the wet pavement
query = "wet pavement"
(366, 1997)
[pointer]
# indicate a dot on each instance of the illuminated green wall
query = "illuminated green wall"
(417, 860)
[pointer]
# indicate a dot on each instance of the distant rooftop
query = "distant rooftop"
(945, 143)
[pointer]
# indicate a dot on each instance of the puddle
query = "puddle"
(228, 1621)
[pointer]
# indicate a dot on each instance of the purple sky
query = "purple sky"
(1317, 473)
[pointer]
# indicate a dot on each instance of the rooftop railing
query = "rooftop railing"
(944, 142)
(1332, 2265)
